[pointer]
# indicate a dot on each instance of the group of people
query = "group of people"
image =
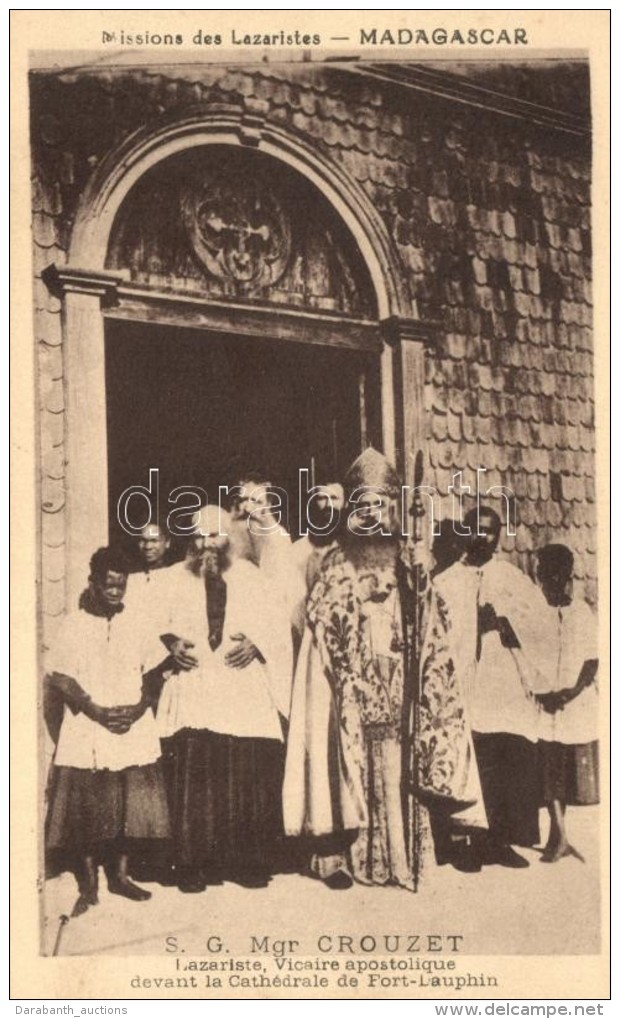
(323, 706)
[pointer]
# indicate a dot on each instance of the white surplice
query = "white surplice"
(107, 657)
(573, 640)
(498, 688)
(151, 593)
(236, 702)
(272, 551)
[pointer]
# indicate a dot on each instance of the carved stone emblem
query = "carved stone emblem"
(238, 229)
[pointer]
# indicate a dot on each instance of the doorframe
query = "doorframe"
(145, 304)
(253, 326)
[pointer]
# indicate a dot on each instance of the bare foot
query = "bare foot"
(560, 852)
(548, 851)
(85, 900)
(123, 886)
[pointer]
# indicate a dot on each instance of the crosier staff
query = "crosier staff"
(413, 592)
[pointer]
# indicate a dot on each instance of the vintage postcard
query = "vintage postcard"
(310, 529)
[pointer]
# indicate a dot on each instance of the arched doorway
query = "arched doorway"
(289, 378)
(98, 298)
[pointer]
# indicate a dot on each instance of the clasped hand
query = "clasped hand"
(118, 719)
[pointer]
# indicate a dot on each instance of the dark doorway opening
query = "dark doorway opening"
(203, 407)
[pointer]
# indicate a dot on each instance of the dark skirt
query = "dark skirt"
(89, 808)
(508, 767)
(569, 773)
(225, 798)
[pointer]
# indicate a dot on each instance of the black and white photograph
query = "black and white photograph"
(317, 544)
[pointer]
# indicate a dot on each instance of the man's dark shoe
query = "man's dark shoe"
(191, 882)
(504, 856)
(467, 862)
(339, 881)
(251, 879)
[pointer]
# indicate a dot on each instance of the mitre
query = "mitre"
(372, 470)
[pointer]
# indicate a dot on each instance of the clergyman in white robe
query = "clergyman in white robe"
(221, 724)
(498, 636)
